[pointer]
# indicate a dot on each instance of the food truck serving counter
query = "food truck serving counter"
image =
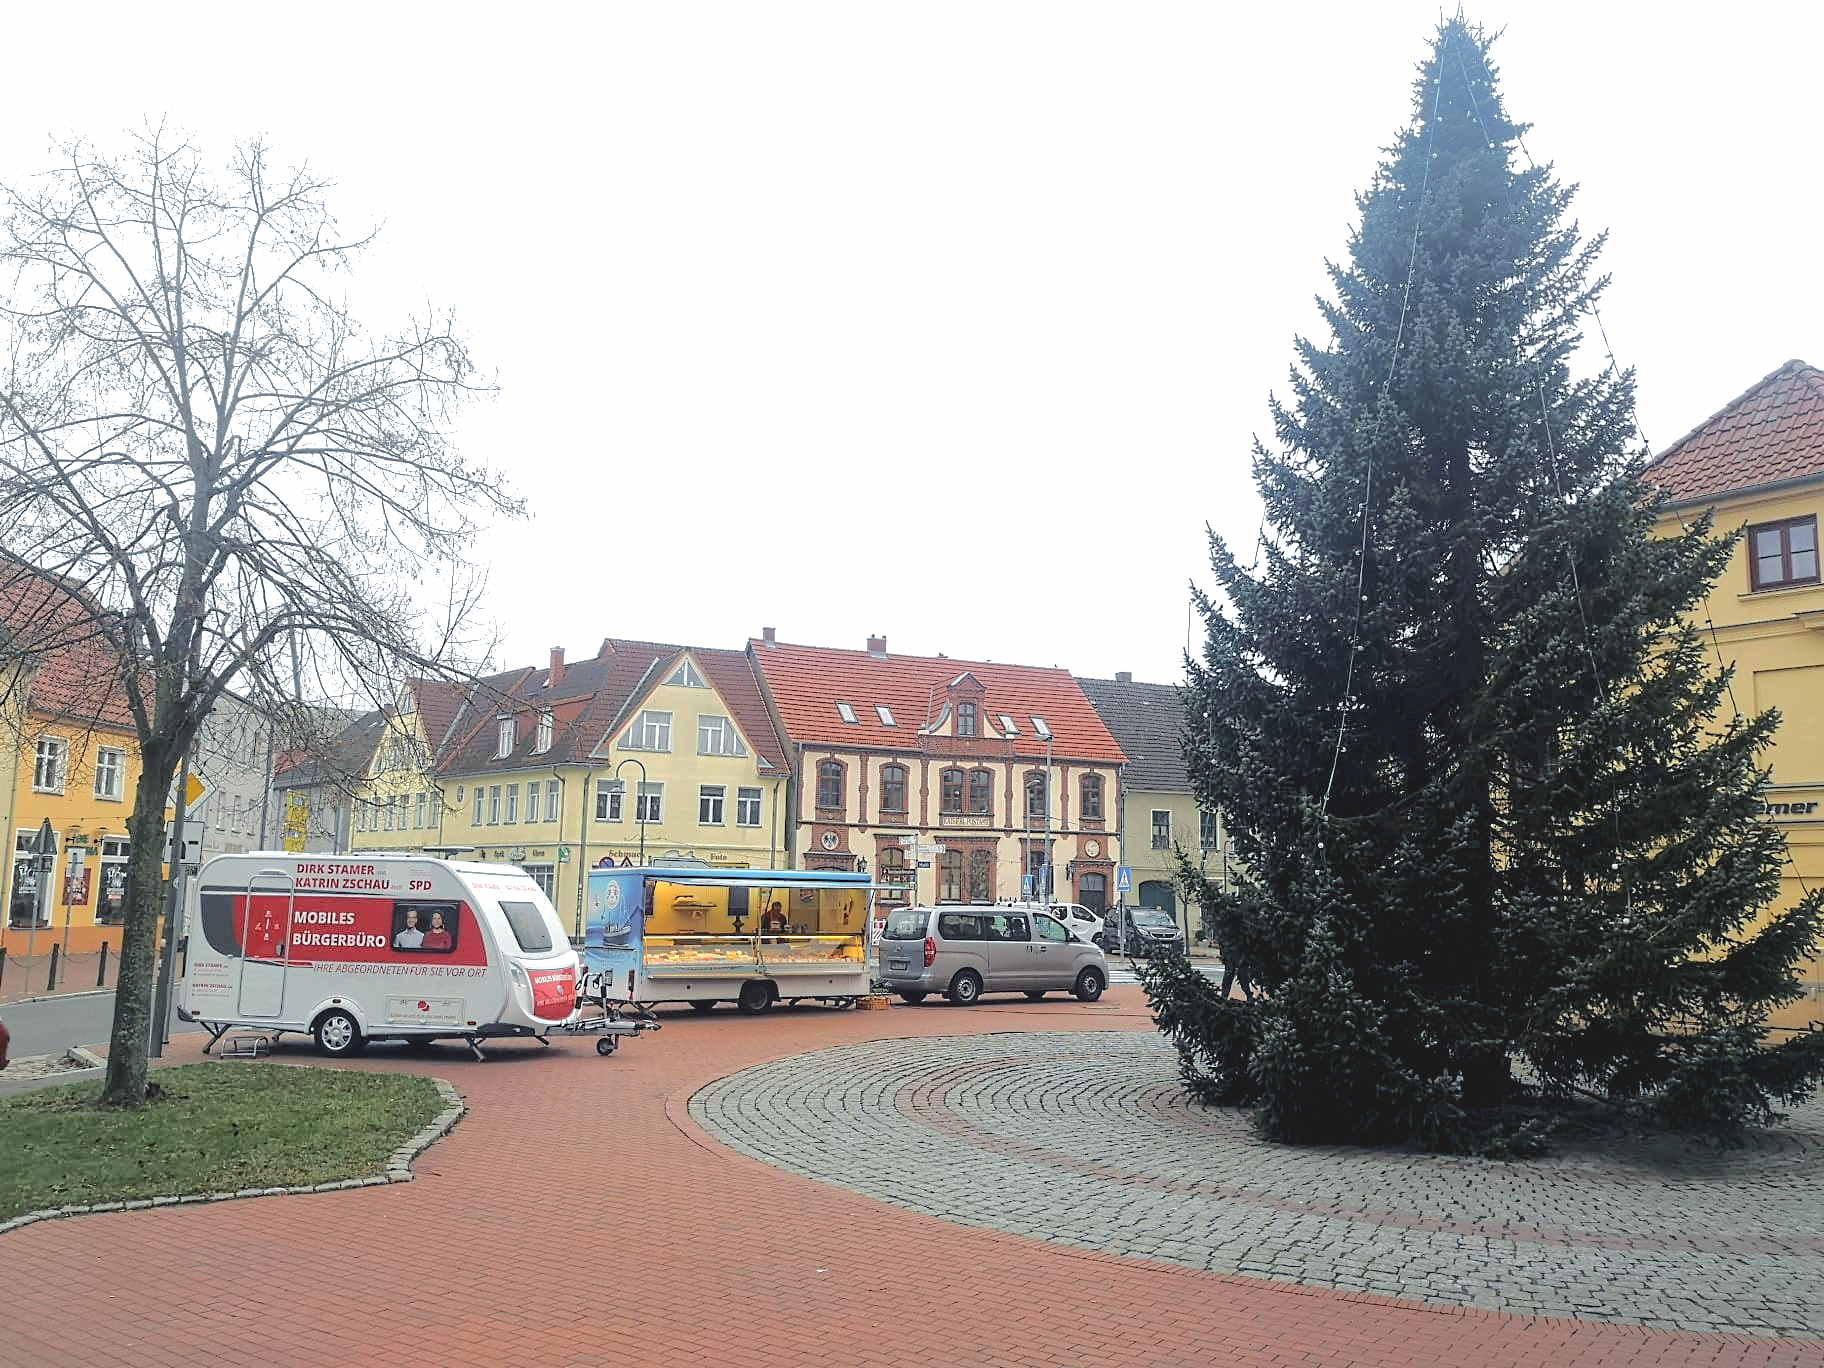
(748, 936)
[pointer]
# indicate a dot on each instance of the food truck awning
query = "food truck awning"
(744, 879)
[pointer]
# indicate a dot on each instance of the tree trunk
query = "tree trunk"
(145, 896)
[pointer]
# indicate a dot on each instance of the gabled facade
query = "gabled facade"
(399, 805)
(1759, 464)
(952, 781)
(560, 769)
(1159, 811)
(73, 758)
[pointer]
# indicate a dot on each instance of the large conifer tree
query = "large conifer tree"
(1492, 802)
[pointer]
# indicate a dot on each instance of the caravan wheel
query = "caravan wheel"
(756, 996)
(338, 1034)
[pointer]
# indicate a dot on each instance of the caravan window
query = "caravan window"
(424, 928)
(528, 924)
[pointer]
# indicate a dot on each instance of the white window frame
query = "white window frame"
(651, 731)
(504, 737)
(51, 764)
(424, 809)
(717, 735)
(649, 803)
(533, 790)
(480, 797)
(512, 804)
(544, 875)
(743, 798)
(546, 733)
(111, 760)
(1008, 726)
(1041, 727)
(847, 713)
(686, 676)
(554, 800)
(610, 796)
(712, 798)
(404, 803)
(1157, 814)
(885, 714)
(386, 815)
(493, 804)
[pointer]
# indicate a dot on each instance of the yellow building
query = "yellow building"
(1759, 464)
(650, 745)
(1159, 815)
(399, 804)
(70, 756)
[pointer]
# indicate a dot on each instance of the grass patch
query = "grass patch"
(215, 1128)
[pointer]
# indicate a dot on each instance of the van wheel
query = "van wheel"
(702, 1008)
(1034, 994)
(337, 1034)
(965, 989)
(756, 996)
(1089, 986)
(913, 998)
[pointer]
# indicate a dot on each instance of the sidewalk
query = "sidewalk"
(578, 1215)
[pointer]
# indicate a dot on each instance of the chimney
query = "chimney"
(556, 676)
(877, 646)
(1124, 676)
(766, 635)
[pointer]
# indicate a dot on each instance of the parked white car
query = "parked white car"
(1078, 920)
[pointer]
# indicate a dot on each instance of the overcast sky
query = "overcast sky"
(946, 321)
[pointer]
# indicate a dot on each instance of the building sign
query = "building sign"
(1792, 808)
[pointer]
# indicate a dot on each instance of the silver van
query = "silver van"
(965, 951)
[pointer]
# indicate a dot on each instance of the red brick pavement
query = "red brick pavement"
(577, 1216)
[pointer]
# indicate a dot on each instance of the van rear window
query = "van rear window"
(904, 926)
(529, 926)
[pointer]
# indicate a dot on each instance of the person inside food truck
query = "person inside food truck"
(438, 937)
(773, 923)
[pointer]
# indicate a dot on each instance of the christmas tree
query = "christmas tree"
(1500, 829)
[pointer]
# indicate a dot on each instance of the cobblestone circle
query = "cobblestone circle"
(1087, 1139)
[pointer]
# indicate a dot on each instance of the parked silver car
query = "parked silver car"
(965, 951)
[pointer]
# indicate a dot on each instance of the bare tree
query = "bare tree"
(229, 481)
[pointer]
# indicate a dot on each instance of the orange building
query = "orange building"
(70, 758)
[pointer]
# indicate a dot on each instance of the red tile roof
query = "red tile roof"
(589, 702)
(1771, 434)
(76, 674)
(807, 682)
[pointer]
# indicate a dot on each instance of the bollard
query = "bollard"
(2, 964)
(51, 985)
(101, 974)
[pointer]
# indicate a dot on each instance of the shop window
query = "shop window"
(111, 895)
(1784, 553)
(981, 876)
(950, 876)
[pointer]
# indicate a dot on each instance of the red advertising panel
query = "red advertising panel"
(553, 993)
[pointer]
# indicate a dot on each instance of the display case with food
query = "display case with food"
(751, 937)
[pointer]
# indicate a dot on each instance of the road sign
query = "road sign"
(294, 844)
(192, 854)
(1124, 878)
(563, 854)
(45, 843)
(924, 864)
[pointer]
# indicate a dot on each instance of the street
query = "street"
(52, 1025)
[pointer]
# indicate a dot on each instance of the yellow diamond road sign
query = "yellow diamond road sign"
(194, 791)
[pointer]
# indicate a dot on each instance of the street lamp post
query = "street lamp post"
(639, 808)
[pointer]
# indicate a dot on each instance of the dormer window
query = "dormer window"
(965, 719)
(885, 714)
(547, 727)
(847, 714)
(1008, 726)
(1042, 727)
(503, 739)
(686, 677)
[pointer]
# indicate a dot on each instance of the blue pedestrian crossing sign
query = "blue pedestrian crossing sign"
(1124, 878)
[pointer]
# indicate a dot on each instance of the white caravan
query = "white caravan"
(352, 948)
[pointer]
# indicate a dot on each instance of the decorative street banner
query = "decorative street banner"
(76, 887)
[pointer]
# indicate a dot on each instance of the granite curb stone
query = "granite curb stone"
(398, 1170)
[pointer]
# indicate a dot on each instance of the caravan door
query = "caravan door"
(266, 919)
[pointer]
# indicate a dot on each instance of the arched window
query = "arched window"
(965, 719)
(981, 876)
(950, 791)
(981, 792)
(892, 788)
(829, 784)
(1090, 789)
(1035, 796)
(950, 876)
(890, 872)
